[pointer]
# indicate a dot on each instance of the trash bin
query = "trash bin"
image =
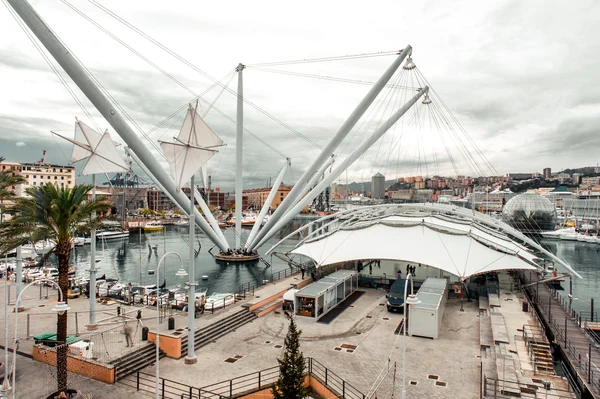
(171, 323)
(145, 331)
(525, 306)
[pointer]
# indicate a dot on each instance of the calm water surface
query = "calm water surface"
(130, 259)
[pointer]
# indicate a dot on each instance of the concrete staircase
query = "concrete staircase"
(218, 329)
(134, 361)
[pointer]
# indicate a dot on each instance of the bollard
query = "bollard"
(76, 325)
(118, 311)
(145, 331)
(171, 323)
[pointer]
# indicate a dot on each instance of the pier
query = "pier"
(570, 331)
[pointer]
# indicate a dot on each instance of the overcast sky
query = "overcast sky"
(520, 77)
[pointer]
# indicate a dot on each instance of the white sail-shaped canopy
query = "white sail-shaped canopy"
(192, 148)
(456, 240)
(97, 150)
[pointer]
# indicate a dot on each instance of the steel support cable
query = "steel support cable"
(194, 67)
(461, 146)
(331, 78)
(469, 138)
(325, 59)
(230, 75)
(52, 66)
(442, 137)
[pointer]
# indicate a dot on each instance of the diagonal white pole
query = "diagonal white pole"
(359, 151)
(267, 203)
(208, 214)
(360, 109)
(85, 82)
(239, 142)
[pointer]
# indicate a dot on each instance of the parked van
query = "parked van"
(395, 296)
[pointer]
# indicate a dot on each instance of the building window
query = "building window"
(34, 176)
(26, 183)
(35, 183)
(62, 178)
(69, 182)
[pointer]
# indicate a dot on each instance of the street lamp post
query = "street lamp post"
(61, 307)
(410, 300)
(180, 273)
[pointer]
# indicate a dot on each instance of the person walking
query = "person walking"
(302, 270)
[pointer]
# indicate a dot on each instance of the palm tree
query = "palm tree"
(58, 214)
(8, 179)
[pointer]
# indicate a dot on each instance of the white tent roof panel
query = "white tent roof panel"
(458, 254)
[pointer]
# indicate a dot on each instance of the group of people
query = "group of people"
(411, 269)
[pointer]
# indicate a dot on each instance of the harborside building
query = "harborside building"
(38, 174)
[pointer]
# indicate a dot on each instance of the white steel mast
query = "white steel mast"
(239, 142)
(360, 109)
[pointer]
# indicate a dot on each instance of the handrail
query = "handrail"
(246, 383)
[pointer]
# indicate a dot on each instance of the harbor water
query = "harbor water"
(133, 259)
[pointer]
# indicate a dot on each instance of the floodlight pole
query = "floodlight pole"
(358, 152)
(412, 292)
(16, 339)
(19, 277)
(191, 355)
(92, 291)
(239, 142)
(294, 194)
(87, 83)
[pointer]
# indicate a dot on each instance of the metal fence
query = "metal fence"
(494, 388)
(249, 287)
(235, 387)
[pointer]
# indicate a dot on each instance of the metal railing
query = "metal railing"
(250, 286)
(581, 362)
(494, 388)
(244, 384)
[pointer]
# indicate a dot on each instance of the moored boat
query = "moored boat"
(154, 226)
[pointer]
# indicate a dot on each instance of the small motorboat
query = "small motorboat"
(217, 301)
(154, 226)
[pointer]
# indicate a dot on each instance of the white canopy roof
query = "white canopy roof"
(457, 240)
(460, 253)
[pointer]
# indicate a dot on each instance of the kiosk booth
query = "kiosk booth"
(425, 318)
(317, 299)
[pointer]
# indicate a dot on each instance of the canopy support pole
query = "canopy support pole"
(86, 82)
(267, 203)
(359, 151)
(343, 131)
(239, 157)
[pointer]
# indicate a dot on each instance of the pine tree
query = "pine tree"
(290, 384)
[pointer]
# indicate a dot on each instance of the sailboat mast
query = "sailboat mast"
(238, 157)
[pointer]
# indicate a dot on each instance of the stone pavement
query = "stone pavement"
(368, 325)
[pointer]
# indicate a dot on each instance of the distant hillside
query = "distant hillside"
(585, 171)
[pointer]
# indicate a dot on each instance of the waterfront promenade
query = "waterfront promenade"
(568, 329)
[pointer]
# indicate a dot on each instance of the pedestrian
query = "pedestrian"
(370, 268)
(302, 270)
(127, 330)
(407, 269)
